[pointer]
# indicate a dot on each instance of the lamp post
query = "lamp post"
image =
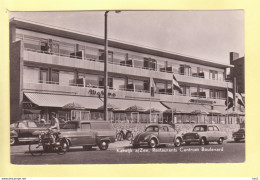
(105, 68)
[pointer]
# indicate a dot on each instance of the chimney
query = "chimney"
(233, 56)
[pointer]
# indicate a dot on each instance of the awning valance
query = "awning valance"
(123, 104)
(55, 100)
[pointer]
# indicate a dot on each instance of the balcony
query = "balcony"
(115, 68)
(77, 90)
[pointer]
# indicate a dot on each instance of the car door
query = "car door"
(217, 133)
(210, 133)
(22, 129)
(172, 134)
(85, 134)
(163, 135)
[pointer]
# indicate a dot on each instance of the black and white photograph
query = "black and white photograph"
(127, 87)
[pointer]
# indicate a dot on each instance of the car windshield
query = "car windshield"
(32, 124)
(70, 125)
(152, 129)
(199, 128)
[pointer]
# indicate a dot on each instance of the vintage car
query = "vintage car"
(239, 135)
(155, 135)
(204, 134)
(22, 131)
(88, 134)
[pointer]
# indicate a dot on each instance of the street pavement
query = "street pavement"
(122, 152)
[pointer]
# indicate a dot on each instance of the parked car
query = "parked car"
(89, 134)
(155, 135)
(22, 131)
(239, 135)
(204, 134)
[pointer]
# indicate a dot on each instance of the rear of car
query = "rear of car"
(239, 135)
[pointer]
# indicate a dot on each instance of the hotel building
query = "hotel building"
(53, 68)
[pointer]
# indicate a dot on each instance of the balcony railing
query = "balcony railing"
(142, 93)
(121, 64)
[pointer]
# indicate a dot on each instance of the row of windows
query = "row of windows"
(125, 59)
(65, 78)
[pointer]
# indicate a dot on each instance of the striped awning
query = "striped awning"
(55, 100)
(124, 104)
(186, 108)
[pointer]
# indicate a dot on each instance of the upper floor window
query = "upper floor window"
(55, 77)
(43, 75)
(185, 70)
(213, 74)
(102, 56)
(150, 63)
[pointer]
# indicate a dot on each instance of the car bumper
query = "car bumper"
(191, 140)
(142, 143)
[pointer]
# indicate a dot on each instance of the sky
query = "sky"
(209, 35)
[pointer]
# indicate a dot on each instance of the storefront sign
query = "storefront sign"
(100, 93)
(202, 101)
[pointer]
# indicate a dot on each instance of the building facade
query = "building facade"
(52, 69)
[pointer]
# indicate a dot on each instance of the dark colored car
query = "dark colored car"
(239, 135)
(158, 134)
(204, 134)
(89, 134)
(22, 131)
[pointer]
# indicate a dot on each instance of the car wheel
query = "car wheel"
(177, 142)
(203, 141)
(103, 145)
(220, 141)
(87, 147)
(13, 141)
(152, 143)
(64, 147)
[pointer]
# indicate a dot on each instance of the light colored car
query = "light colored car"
(204, 134)
(155, 135)
(89, 134)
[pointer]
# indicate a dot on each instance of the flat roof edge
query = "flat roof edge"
(63, 32)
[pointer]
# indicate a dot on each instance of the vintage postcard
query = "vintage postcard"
(127, 87)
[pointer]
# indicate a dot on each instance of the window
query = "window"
(32, 125)
(216, 128)
(92, 80)
(109, 82)
(152, 129)
(163, 129)
(150, 63)
(160, 87)
(55, 77)
(21, 125)
(43, 75)
(185, 70)
(213, 75)
(210, 128)
(139, 85)
(102, 56)
(14, 125)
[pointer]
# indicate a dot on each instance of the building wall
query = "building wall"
(16, 69)
(238, 71)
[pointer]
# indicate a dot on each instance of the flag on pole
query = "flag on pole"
(152, 86)
(229, 101)
(175, 84)
(240, 99)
